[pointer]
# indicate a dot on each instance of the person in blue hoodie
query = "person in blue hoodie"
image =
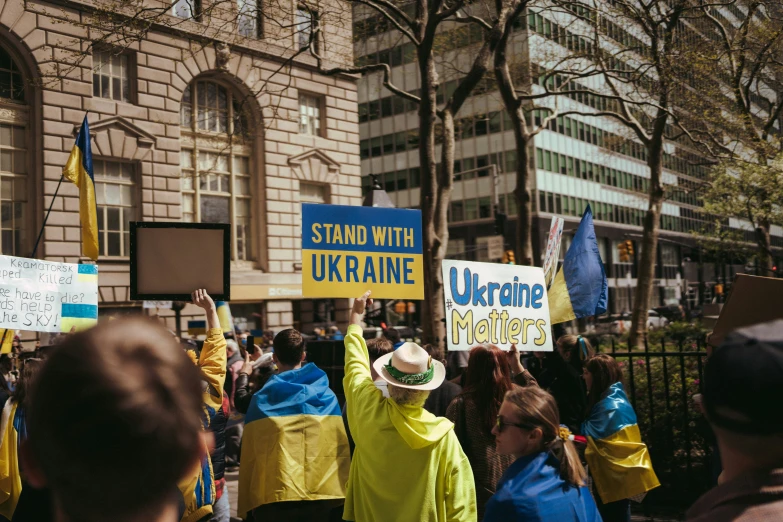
(295, 456)
(546, 481)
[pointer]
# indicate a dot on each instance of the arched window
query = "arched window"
(216, 163)
(13, 158)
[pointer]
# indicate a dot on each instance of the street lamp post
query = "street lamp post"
(377, 197)
(178, 306)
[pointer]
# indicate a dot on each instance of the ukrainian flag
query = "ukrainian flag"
(78, 316)
(616, 456)
(7, 337)
(580, 288)
(78, 170)
(87, 274)
(225, 317)
(294, 446)
(197, 327)
(10, 479)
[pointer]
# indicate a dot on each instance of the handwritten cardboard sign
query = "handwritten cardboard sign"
(44, 296)
(553, 249)
(490, 303)
(349, 250)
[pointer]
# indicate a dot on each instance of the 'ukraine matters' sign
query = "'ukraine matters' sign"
(349, 250)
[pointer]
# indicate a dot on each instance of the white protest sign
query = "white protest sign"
(158, 304)
(553, 249)
(44, 296)
(490, 303)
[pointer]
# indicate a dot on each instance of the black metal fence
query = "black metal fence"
(661, 381)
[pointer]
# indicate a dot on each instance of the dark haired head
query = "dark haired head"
(487, 380)
(605, 371)
(392, 335)
(27, 377)
(128, 381)
(575, 350)
(436, 352)
(289, 347)
(378, 347)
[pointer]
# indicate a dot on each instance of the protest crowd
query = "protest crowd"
(126, 422)
(122, 420)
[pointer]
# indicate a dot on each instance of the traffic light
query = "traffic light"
(629, 247)
(718, 289)
(622, 250)
(399, 307)
(508, 258)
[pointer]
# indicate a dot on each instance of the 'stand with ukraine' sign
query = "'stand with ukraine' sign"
(349, 250)
(490, 303)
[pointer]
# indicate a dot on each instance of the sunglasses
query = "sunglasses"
(501, 425)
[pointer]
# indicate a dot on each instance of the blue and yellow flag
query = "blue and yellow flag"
(225, 317)
(10, 479)
(580, 288)
(294, 446)
(197, 327)
(7, 340)
(78, 170)
(617, 458)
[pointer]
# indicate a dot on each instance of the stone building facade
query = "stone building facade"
(192, 121)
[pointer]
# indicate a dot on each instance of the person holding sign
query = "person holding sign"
(408, 464)
(198, 489)
(546, 481)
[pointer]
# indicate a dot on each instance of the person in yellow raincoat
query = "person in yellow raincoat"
(198, 489)
(408, 464)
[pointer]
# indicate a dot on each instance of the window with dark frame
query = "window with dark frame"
(216, 164)
(115, 190)
(249, 19)
(112, 75)
(310, 114)
(187, 9)
(306, 25)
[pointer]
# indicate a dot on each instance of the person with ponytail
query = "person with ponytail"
(546, 481)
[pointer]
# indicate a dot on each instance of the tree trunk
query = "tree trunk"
(433, 329)
(765, 249)
(522, 193)
(649, 247)
(522, 139)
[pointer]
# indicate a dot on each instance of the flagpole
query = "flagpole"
(40, 234)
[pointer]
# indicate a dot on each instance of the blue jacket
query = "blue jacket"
(531, 490)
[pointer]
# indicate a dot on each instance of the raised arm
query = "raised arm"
(212, 361)
(357, 360)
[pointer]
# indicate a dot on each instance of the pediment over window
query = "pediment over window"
(314, 165)
(118, 137)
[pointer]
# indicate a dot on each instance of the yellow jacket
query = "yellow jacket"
(10, 480)
(408, 464)
(198, 489)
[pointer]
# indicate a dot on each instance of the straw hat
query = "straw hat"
(410, 366)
